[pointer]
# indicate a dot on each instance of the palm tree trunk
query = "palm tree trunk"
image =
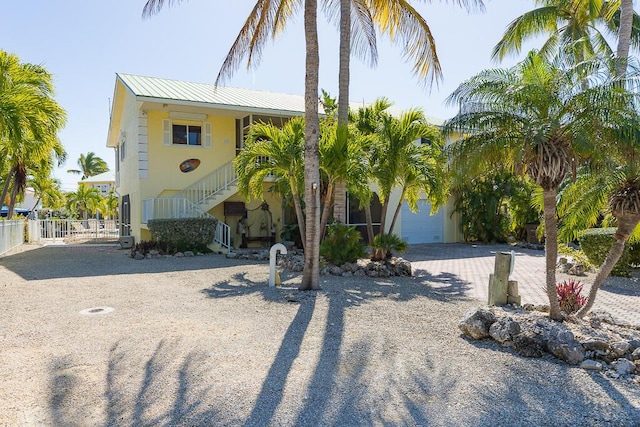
(551, 250)
(624, 36)
(396, 213)
(311, 273)
(626, 225)
(6, 186)
(339, 209)
(383, 216)
(12, 200)
(299, 214)
(325, 212)
(367, 214)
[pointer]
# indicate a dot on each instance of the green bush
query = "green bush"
(342, 244)
(596, 243)
(634, 254)
(185, 234)
(385, 244)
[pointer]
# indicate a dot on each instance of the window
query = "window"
(122, 151)
(187, 134)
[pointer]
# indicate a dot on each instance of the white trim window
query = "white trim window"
(186, 133)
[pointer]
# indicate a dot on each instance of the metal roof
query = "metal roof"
(220, 96)
(107, 176)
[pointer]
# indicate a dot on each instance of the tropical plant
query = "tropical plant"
(48, 191)
(277, 152)
(572, 26)
(569, 295)
(384, 245)
(84, 201)
(407, 153)
(342, 244)
(29, 121)
(90, 165)
(539, 117)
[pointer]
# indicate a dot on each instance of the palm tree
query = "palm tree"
(85, 200)
(625, 33)
(29, 121)
(571, 25)
(271, 151)
(90, 165)
(47, 190)
(538, 117)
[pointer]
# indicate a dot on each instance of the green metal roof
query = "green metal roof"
(219, 97)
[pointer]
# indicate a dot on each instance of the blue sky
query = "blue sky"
(84, 43)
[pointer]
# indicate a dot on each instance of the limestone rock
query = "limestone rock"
(504, 330)
(138, 256)
(178, 255)
(591, 365)
(529, 344)
(188, 254)
(476, 323)
(595, 344)
(620, 348)
(624, 366)
(335, 270)
(636, 354)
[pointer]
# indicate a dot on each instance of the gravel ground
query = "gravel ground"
(204, 341)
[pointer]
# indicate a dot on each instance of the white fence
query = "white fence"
(73, 231)
(11, 235)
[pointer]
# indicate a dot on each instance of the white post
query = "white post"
(272, 261)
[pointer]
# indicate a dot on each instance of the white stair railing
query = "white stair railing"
(209, 186)
(175, 208)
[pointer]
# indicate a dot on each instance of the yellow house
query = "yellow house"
(175, 142)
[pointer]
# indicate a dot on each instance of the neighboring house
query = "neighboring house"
(104, 182)
(175, 142)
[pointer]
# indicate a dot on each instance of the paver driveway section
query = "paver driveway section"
(465, 269)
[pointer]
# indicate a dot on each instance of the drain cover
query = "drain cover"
(97, 310)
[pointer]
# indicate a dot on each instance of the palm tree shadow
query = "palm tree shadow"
(151, 402)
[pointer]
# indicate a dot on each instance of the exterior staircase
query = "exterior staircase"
(196, 200)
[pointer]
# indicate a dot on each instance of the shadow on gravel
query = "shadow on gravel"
(54, 262)
(552, 398)
(170, 391)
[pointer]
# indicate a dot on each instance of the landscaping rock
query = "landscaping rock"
(476, 323)
(595, 344)
(636, 354)
(188, 254)
(591, 365)
(504, 330)
(529, 344)
(624, 366)
(178, 255)
(620, 348)
(138, 256)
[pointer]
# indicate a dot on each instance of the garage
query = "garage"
(421, 227)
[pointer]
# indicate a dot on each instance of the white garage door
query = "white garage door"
(421, 227)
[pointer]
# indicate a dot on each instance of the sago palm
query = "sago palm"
(539, 117)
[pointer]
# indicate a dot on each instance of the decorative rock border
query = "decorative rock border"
(597, 343)
(363, 267)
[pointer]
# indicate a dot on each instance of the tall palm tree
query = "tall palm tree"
(571, 25)
(29, 121)
(90, 165)
(538, 117)
(625, 30)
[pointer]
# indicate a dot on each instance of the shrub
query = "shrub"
(342, 244)
(186, 234)
(385, 244)
(596, 243)
(569, 296)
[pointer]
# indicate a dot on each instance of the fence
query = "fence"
(11, 235)
(73, 231)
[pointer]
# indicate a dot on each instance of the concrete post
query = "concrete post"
(272, 261)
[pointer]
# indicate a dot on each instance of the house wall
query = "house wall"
(129, 179)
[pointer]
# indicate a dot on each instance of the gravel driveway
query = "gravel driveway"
(204, 341)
